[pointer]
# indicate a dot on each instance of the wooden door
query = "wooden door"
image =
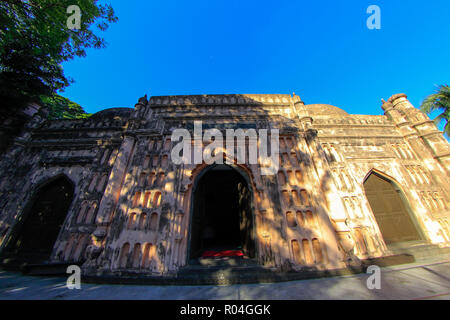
(390, 211)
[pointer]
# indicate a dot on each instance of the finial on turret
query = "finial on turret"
(143, 100)
(296, 98)
(386, 105)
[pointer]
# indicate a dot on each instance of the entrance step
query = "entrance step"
(222, 270)
(244, 271)
(47, 269)
(35, 269)
(235, 271)
(223, 262)
(418, 249)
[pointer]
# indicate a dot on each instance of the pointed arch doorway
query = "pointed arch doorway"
(36, 232)
(222, 215)
(390, 209)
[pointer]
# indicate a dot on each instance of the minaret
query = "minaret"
(421, 134)
(139, 107)
(300, 111)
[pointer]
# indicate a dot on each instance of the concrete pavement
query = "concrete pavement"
(427, 279)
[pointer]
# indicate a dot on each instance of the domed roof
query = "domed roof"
(324, 110)
(113, 112)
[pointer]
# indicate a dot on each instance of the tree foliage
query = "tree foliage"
(440, 100)
(62, 108)
(35, 40)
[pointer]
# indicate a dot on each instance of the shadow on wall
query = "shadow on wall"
(281, 202)
(285, 206)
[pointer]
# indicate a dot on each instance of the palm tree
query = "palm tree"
(439, 101)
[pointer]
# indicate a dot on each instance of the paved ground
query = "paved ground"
(428, 279)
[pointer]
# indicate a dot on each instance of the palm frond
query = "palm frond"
(440, 100)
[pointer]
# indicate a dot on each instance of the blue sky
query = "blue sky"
(321, 50)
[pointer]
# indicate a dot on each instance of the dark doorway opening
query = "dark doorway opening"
(390, 210)
(36, 233)
(222, 218)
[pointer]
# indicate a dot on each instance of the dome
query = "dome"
(324, 110)
(112, 113)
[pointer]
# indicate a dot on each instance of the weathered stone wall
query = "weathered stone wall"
(82, 150)
(132, 206)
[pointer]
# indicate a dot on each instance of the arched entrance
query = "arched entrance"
(390, 209)
(222, 217)
(35, 234)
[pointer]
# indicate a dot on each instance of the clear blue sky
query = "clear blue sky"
(321, 50)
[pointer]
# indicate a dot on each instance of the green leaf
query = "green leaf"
(440, 100)
(35, 41)
(62, 108)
